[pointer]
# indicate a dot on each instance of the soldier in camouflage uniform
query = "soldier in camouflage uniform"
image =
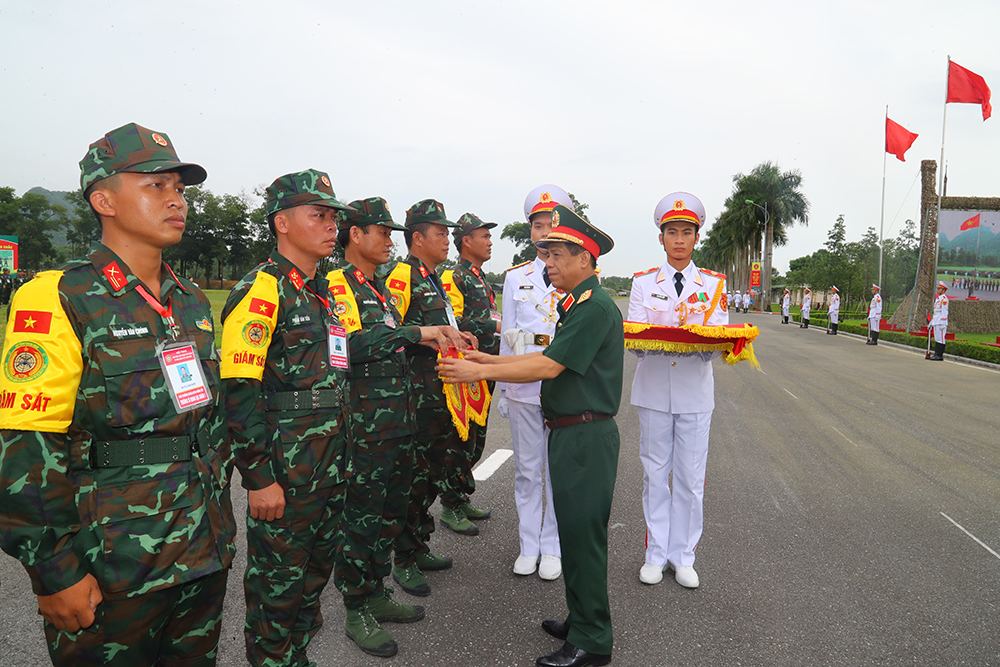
(382, 425)
(284, 372)
(419, 296)
(113, 493)
(475, 308)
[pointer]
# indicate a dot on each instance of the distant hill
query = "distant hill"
(58, 198)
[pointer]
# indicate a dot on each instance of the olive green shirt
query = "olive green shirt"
(590, 342)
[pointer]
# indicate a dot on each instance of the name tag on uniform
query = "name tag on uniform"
(451, 315)
(185, 380)
(661, 296)
(526, 287)
(337, 342)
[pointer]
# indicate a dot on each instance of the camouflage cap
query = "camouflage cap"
(135, 149)
(370, 211)
(299, 189)
(427, 210)
(469, 222)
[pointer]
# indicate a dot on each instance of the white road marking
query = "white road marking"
(961, 528)
(791, 394)
(492, 463)
(844, 436)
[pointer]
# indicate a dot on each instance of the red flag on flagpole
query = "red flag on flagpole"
(898, 139)
(971, 223)
(965, 86)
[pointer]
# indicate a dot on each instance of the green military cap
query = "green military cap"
(135, 149)
(469, 222)
(299, 189)
(427, 210)
(370, 211)
(568, 227)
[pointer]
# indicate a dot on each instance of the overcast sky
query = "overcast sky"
(475, 103)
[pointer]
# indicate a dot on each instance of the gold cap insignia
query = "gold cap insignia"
(679, 205)
(555, 218)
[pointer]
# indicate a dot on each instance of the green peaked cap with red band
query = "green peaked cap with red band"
(568, 227)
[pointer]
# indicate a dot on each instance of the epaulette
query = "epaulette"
(643, 273)
(716, 274)
(518, 266)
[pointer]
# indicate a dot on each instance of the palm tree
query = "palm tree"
(778, 192)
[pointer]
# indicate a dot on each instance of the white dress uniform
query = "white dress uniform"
(786, 306)
(528, 322)
(736, 301)
(747, 301)
(834, 310)
(939, 320)
(674, 395)
(807, 301)
(875, 312)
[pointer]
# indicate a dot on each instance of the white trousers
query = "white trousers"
(939, 332)
(674, 521)
(873, 323)
(537, 527)
(834, 317)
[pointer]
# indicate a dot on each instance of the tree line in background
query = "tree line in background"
(227, 235)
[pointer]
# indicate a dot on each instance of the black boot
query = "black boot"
(807, 323)
(875, 337)
(835, 329)
(938, 352)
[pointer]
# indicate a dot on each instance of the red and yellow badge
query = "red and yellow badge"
(32, 321)
(204, 324)
(296, 279)
(555, 219)
(25, 361)
(326, 180)
(158, 138)
(679, 205)
(114, 275)
(262, 307)
(338, 290)
(255, 333)
(545, 198)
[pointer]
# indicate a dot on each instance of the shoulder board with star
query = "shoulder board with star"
(714, 274)
(518, 266)
(584, 296)
(643, 273)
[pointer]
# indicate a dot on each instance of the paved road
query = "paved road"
(832, 477)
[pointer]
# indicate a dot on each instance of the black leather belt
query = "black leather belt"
(573, 420)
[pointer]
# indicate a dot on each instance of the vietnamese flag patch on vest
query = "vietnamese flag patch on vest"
(32, 321)
(262, 307)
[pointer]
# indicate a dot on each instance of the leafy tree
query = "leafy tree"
(31, 218)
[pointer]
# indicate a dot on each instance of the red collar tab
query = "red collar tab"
(114, 275)
(475, 271)
(567, 303)
(360, 276)
(296, 279)
(423, 271)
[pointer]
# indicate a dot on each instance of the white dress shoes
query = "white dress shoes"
(686, 577)
(651, 574)
(525, 565)
(550, 568)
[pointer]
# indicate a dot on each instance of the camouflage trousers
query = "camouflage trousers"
(434, 456)
(289, 562)
(171, 626)
(375, 514)
(460, 484)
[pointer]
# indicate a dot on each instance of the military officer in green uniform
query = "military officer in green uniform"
(581, 373)
(475, 307)
(113, 489)
(419, 296)
(284, 370)
(382, 424)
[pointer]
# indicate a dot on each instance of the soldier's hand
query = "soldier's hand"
(72, 609)
(480, 357)
(455, 371)
(454, 337)
(267, 504)
(471, 342)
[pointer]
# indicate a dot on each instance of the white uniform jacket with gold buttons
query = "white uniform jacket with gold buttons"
(671, 382)
(529, 309)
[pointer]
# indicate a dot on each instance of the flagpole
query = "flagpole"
(944, 118)
(881, 222)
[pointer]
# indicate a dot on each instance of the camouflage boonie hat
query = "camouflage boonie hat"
(469, 222)
(299, 189)
(135, 149)
(427, 210)
(370, 211)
